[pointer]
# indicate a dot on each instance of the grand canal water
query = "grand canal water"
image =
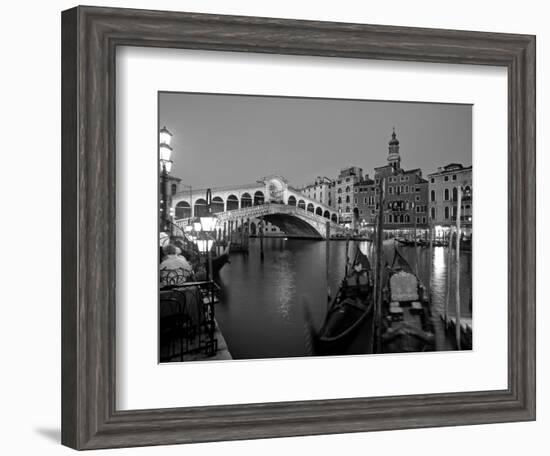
(261, 312)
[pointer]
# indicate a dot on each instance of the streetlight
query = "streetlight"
(165, 153)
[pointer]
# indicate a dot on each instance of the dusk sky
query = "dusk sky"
(223, 140)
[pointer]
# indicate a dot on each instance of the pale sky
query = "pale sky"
(234, 139)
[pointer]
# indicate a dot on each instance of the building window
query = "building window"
(406, 189)
(432, 195)
(446, 213)
(432, 180)
(446, 178)
(455, 194)
(339, 200)
(339, 190)
(354, 200)
(418, 208)
(390, 190)
(347, 180)
(347, 189)
(446, 195)
(174, 189)
(390, 218)
(433, 213)
(347, 198)
(417, 189)
(417, 219)
(407, 218)
(454, 177)
(417, 198)
(423, 219)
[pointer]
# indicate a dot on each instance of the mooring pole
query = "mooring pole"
(457, 283)
(379, 256)
(262, 238)
(448, 277)
(327, 257)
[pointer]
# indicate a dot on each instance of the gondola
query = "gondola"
(347, 327)
(406, 310)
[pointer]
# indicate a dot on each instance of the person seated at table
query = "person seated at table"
(174, 269)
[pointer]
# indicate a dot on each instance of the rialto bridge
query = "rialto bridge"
(270, 199)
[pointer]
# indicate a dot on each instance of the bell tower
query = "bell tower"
(394, 159)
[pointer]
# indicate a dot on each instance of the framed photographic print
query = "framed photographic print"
(276, 227)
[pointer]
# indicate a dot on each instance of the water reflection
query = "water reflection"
(261, 313)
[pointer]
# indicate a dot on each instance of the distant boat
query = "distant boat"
(347, 327)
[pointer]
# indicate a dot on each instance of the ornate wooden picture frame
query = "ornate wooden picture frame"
(90, 37)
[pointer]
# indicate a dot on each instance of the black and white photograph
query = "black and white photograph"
(292, 227)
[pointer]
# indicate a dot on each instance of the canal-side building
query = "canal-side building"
(443, 195)
(344, 191)
(320, 190)
(406, 197)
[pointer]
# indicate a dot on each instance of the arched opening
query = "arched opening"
(455, 194)
(217, 205)
(326, 214)
(291, 201)
(302, 204)
(319, 211)
(232, 203)
(310, 208)
(258, 198)
(174, 189)
(334, 218)
(200, 209)
(183, 210)
(246, 200)
(355, 213)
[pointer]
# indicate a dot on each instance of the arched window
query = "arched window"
(455, 194)
(347, 199)
(334, 218)
(232, 203)
(340, 190)
(347, 189)
(401, 218)
(217, 205)
(174, 189)
(200, 209)
(302, 204)
(432, 213)
(310, 208)
(326, 214)
(339, 200)
(347, 209)
(407, 218)
(291, 201)
(390, 218)
(446, 213)
(246, 200)
(258, 198)
(319, 211)
(432, 195)
(183, 210)
(446, 194)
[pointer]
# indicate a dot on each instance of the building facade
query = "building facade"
(344, 191)
(405, 199)
(444, 186)
(320, 190)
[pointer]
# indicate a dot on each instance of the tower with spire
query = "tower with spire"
(394, 159)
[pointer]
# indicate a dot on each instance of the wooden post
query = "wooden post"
(457, 283)
(327, 257)
(415, 252)
(379, 256)
(448, 277)
(261, 224)
(430, 259)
